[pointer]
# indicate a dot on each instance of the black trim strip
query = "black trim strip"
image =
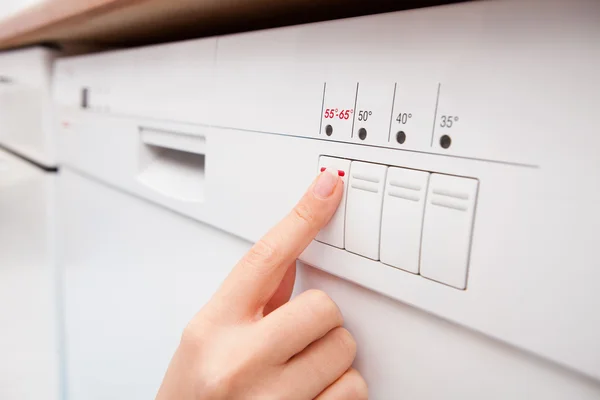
(29, 160)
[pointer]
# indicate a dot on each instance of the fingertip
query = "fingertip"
(359, 387)
(326, 184)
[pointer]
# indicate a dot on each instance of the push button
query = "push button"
(333, 233)
(447, 228)
(402, 219)
(363, 208)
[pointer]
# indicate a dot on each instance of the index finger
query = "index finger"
(254, 280)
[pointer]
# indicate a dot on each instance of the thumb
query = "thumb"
(255, 279)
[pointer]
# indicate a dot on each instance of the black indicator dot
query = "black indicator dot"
(362, 133)
(445, 141)
(328, 130)
(400, 137)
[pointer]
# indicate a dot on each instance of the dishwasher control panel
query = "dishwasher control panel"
(416, 221)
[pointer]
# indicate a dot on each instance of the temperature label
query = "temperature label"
(449, 126)
(413, 114)
(447, 121)
(403, 118)
(372, 115)
(364, 115)
(337, 113)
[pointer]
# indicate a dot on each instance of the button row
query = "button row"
(413, 220)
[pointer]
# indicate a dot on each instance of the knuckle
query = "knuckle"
(224, 374)
(345, 342)
(358, 386)
(304, 213)
(216, 384)
(197, 329)
(191, 336)
(323, 304)
(317, 296)
(261, 255)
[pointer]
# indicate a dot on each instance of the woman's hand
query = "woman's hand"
(249, 342)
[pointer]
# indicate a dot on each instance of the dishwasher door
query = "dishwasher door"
(29, 317)
(134, 273)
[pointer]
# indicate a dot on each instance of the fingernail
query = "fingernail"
(325, 184)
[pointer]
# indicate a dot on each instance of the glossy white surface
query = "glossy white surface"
(447, 229)
(29, 313)
(363, 208)
(26, 113)
(402, 218)
(405, 353)
(134, 274)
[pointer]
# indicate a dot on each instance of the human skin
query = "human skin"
(250, 341)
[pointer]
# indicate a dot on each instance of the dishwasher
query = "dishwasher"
(463, 255)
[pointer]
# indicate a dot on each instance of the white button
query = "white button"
(338, 110)
(447, 228)
(402, 219)
(333, 233)
(372, 114)
(363, 208)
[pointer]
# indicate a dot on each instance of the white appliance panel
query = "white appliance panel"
(26, 112)
(30, 362)
(405, 353)
(134, 274)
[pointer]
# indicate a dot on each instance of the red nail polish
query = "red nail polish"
(322, 169)
(341, 173)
